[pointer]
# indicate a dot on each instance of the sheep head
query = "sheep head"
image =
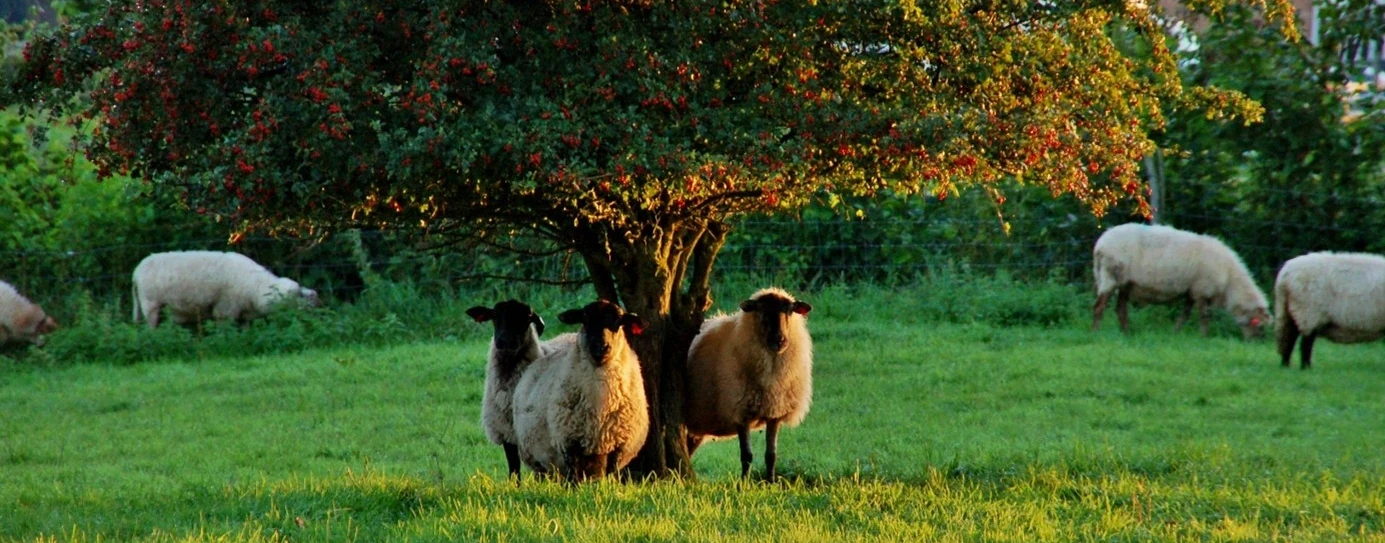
(512, 320)
(48, 326)
(33, 324)
(309, 297)
(772, 309)
(602, 325)
(1252, 320)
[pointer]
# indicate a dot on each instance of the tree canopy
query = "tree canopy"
(539, 113)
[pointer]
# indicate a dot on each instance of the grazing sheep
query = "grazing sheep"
(580, 409)
(751, 369)
(1339, 296)
(514, 346)
(1160, 264)
(196, 285)
(20, 319)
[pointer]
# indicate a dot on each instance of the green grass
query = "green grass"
(921, 429)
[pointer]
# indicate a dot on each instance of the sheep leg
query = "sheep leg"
(746, 455)
(151, 314)
(1098, 308)
(583, 466)
(587, 466)
(1306, 351)
(771, 448)
(1286, 336)
(1183, 319)
(512, 458)
(1123, 309)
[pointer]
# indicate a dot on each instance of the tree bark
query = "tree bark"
(664, 275)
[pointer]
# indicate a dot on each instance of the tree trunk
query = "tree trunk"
(664, 275)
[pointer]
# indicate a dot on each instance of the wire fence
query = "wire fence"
(1043, 241)
(790, 250)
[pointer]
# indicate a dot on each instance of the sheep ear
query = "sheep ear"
(750, 306)
(634, 322)
(802, 308)
(537, 321)
(571, 316)
(480, 313)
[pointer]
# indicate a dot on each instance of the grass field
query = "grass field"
(920, 430)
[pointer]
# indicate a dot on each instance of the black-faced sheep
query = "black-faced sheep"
(748, 370)
(1160, 264)
(197, 285)
(1339, 296)
(514, 346)
(580, 409)
(20, 319)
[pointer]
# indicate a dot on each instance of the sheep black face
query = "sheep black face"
(512, 320)
(602, 322)
(773, 313)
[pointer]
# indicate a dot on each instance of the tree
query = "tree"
(626, 131)
(1309, 176)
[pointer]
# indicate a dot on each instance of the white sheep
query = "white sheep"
(1159, 264)
(514, 346)
(1339, 296)
(197, 285)
(580, 409)
(20, 319)
(750, 369)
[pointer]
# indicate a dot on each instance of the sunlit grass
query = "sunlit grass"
(920, 430)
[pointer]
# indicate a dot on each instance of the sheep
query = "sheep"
(196, 285)
(1152, 263)
(513, 347)
(1339, 296)
(580, 409)
(748, 370)
(22, 320)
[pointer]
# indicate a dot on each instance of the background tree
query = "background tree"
(628, 132)
(1311, 175)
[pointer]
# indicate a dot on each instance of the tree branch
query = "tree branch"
(598, 266)
(709, 201)
(699, 296)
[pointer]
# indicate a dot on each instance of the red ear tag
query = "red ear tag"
(1255, 321)
(479, 319)
(636, 329)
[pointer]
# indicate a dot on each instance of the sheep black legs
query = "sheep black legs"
(512, 458)
(1183, 319)
(1306, 351)
(746, 456)
(1123, 308)
(587, 467)
(1122, 300)
(1286, 337)
(771, 448)
(1098, 308)
(1201, 306)
(582, 466)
